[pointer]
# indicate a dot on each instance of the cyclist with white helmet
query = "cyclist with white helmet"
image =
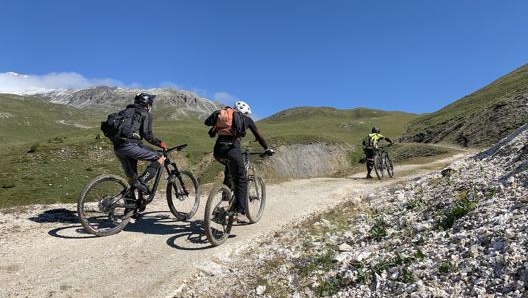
(227, 147)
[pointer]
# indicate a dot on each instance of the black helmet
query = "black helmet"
(376, 129)
(144, 98)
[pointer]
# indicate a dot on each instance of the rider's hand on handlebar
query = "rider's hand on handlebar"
(269, 152)
(163, 146)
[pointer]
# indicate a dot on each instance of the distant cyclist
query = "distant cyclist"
(227, 147)
(370, 146)
(132, 149)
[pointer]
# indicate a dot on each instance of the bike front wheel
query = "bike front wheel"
(101, 206)
(256, 199)
(378, 166)
(388, 165)
(218, 218)
(183, 195)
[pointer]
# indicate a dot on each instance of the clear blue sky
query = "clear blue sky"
(409, 55)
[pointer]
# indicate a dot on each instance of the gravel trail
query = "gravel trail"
(44, 251)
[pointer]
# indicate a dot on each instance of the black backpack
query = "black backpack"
(368, 142)
(118, 126)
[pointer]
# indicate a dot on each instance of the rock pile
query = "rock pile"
(459, 232)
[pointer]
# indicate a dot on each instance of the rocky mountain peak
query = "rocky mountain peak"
(105, 99)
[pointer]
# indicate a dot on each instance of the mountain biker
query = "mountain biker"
(227, 151)
(370, 146)
(132, 149)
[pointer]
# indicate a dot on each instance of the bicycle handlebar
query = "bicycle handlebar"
(177, 148)
(260, 154)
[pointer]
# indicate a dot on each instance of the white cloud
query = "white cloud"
(224, 97)
(14, 83)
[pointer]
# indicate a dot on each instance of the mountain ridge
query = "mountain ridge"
(479, 119)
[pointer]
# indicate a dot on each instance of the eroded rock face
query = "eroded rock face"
(307, 161)
(461, 232)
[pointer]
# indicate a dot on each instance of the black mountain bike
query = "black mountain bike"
(220, 206)
(103, 208)
(383, 162)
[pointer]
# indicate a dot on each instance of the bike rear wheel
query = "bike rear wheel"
(388, 165)
(256, 199)
(101, 207)
(218, 218)
(183, 197)
(378, 166)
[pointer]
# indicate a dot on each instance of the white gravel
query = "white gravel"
(44, 251)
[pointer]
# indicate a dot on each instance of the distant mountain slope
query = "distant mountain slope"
(39, 117)
(171, 104)
(479, 119)
(28, 118)
(307, 124)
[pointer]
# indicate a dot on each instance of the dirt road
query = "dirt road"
(44, 252)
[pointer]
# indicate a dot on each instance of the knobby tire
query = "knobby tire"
(218, 218)
(388, 165)
(96, 213)
(378, 166)
(183, 205)
(256, 199)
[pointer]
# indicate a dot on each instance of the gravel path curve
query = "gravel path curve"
(44, 251)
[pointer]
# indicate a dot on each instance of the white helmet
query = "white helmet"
(243, 107)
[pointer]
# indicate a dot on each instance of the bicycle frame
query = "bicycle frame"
(174, 172)
(219, 209)
(382, 162)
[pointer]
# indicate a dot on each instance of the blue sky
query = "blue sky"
(408, 55)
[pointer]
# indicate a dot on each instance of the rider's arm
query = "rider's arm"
(386, 139)
(211, 120)
(253, 127)
(147, 133)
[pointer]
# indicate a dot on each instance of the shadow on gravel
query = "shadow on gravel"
(193, 239)
(61, 215)
(188, 235)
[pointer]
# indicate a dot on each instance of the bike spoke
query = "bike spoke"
(183, 196)
(101, 207)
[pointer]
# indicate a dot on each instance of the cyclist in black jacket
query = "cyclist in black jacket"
(132, 149)
(227, 150)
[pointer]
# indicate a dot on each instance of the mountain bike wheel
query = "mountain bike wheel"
(218, 218)
(388, 165)
(378, 166)
(183, 204)
(101, 205)
(256, 199)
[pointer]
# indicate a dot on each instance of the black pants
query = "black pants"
(230, 155)
(370, 153)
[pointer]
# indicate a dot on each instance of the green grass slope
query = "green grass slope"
(49, 162)
(29, 119)
(309, 124)
(479, 119)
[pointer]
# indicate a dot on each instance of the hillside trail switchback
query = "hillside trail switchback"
(44, 251)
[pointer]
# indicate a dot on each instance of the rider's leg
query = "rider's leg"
(238, 173)
(370, 153)
(134, 152)
(149, 173)
(220, 153)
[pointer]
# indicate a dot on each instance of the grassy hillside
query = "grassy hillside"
(479, 119)
(47, 162)
(27, 119)
(307, 124)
